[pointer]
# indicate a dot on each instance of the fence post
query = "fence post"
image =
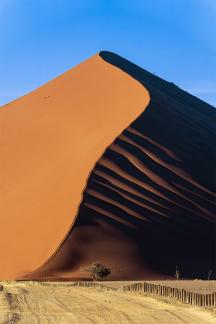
(210, 300)
(184, 296)
(197, 299)
(193, 299)
(206, 300)
(178, 294)
(203, 300)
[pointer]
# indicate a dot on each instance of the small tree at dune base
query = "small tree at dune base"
(98, 271)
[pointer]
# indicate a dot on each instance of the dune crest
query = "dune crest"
(149, 204)
(50, 141)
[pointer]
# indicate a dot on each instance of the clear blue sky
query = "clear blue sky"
(39, 39)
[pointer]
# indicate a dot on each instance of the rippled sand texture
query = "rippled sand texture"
(140, 151)
(149, 204)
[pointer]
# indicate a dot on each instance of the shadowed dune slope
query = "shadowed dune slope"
(50, 141)
(149, 203)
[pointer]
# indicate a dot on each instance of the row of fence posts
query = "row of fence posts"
(186, 297)
(92, 285)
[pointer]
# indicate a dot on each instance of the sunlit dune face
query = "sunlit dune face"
(149, 202)
(50, 140)
(82, 179)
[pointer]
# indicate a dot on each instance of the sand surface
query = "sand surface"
(149, 204)
(131, 155)
(26, 303)
(50, 140)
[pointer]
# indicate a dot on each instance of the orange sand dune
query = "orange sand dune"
(49, 142)
(149, 203)
(143, 189)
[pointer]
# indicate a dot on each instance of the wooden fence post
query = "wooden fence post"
(197, 299)
(203, 300)
(206, 300)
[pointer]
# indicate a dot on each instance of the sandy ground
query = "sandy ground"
(27, 303)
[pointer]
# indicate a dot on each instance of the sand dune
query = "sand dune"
(50, 141)
(148, 183)
(149, 204)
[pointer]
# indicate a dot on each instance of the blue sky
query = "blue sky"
(40, 39)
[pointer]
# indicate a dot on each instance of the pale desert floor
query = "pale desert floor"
(29, 303)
